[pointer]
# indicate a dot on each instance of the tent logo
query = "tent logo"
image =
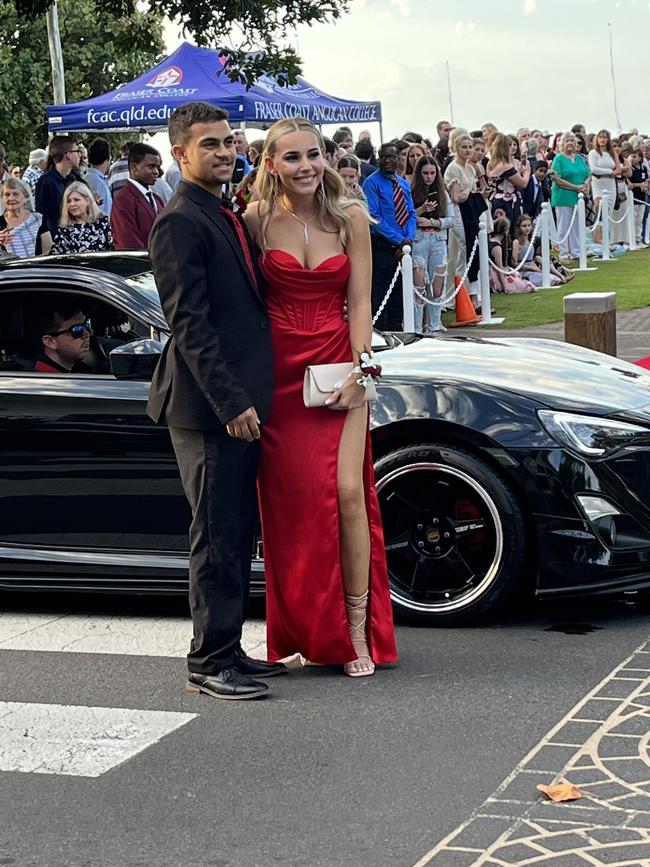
(167, 78)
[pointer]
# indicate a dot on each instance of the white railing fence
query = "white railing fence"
(544, 228)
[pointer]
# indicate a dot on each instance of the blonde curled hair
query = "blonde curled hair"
(330, 194)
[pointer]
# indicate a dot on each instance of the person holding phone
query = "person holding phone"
(434, 217)
(506, 178)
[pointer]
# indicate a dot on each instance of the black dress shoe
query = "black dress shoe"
(257, 667)
(230, 683)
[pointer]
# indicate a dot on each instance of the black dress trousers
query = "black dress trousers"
(384, 264)
(219, 474)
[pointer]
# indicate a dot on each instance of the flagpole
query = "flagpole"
(611, 64)
(451, 104)
(56, 58)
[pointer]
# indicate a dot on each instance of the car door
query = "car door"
(88, 483)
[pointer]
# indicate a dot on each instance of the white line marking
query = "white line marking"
(78, 741)
(104, 633)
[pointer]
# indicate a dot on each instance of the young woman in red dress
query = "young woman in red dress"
(327, 584)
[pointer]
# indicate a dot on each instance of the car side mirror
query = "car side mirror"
(136, 360)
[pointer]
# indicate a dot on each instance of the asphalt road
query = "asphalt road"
(106, 761)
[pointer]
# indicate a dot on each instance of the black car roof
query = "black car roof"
(124, 264)
(115, 276)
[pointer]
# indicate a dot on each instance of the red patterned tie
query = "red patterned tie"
(243, 242)
(401, 210)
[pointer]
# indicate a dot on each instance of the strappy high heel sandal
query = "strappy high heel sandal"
(356, 607)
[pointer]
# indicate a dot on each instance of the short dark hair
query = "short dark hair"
(139, 151)
(51, 316)
(330, 147)
(59, 146)
(185, 116)
(412, 137)
(364, 149)
(388, 144)
(98, 152)
(340, 135)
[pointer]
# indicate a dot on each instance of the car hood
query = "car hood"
(551, 372)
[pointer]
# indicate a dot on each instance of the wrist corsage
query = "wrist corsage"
(370, 371)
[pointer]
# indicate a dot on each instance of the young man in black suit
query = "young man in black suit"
(212, 387)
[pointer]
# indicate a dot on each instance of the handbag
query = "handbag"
(323, 379)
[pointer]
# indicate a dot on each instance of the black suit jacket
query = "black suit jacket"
(532, 199)
(218, 360)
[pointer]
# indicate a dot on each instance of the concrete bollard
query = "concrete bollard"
(590, 320)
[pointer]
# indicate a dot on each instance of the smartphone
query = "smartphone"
(432, 197)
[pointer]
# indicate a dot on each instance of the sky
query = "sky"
(536, 63)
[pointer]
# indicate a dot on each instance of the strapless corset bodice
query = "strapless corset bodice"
(301, 298)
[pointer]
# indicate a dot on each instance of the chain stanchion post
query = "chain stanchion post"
(408, 296)
(582, 228)
(629, 219)
(546, 246)
(484, 277)
(605, 256)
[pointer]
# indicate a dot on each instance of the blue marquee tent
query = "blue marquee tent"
(193, 73)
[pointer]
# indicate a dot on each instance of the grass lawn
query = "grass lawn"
(628, 276)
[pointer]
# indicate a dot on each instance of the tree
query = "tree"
(100, 51)
(259, 29)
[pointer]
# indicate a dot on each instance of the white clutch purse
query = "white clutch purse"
(322, 379)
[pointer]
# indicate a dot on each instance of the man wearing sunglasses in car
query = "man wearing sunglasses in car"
(65, 341)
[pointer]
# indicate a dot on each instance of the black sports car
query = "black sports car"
(501, 464)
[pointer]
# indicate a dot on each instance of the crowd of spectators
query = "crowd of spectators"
(433, 193)
(428, 193)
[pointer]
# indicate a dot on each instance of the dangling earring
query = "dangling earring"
(274, 191)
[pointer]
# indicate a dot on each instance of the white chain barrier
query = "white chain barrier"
(599, 214)
(582, 232)
(384, 301)
(516, 270)
(549, 235)
(618, 222)
(445, 300)
(555, 239)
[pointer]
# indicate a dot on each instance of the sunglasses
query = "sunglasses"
(75, 331)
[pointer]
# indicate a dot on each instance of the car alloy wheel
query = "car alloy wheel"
(454, 535)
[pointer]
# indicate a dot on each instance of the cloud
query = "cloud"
(530, 6)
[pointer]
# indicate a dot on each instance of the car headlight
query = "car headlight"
(590, 435)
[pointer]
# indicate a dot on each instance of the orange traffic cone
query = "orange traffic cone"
(465, 313)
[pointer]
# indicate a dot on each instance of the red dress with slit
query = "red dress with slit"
(298, 476)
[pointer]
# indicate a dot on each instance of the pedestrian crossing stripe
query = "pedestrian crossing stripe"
(78, 741)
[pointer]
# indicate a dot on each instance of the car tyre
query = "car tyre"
(454, 532)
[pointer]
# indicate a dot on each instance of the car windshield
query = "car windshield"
(145, 284)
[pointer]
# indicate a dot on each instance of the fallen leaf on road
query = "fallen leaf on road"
(560, 792)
